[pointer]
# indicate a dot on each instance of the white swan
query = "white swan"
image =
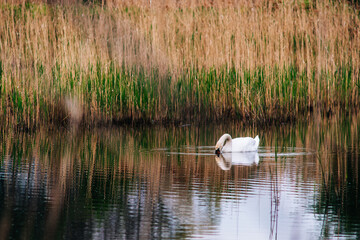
(244, 144)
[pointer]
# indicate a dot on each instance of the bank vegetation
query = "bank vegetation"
(111, 62)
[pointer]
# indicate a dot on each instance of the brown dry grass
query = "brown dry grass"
(307, 52)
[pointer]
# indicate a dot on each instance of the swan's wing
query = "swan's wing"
(245, 144)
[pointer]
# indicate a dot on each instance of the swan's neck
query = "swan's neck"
(224, 140)
(226, 137)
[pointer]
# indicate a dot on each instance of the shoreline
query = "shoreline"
(114, 124)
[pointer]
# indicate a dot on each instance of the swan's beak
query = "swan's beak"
(217, 151)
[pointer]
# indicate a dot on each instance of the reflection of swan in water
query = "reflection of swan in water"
(243, 144)
(226, 160)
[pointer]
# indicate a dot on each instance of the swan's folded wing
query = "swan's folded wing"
(246, 144)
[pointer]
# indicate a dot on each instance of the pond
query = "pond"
(166, 182)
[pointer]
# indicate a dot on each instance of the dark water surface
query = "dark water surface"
(167, 183)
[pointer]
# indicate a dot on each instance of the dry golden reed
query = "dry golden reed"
(181, 60)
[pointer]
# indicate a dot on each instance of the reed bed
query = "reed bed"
(113, 62)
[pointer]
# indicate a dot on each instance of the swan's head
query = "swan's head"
(217, 151)
(221, 143)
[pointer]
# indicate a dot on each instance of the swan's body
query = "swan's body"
(244, 144)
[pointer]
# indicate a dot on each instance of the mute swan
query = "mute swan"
(245, 144)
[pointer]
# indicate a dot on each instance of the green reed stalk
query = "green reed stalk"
(121, 65)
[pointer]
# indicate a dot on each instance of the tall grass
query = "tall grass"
(249, 61)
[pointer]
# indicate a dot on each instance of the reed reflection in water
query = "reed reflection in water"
(168, 183)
